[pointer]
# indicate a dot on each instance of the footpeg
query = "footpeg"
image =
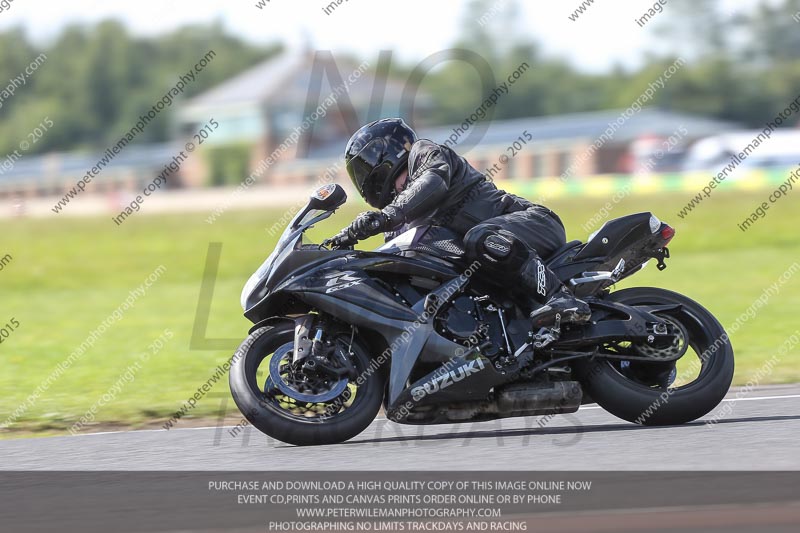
(547, 336)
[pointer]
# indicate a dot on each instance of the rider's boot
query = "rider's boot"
(505, 256)
(552, 298)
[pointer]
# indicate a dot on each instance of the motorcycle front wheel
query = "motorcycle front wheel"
(296, 405)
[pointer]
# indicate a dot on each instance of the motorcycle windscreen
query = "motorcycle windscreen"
(285, 245)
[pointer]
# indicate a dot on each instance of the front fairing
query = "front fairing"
(291, 240)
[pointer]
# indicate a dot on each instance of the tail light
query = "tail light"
(667, 233)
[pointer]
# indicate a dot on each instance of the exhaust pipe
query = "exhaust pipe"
(526, 399)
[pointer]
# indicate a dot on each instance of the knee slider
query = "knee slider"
(495, 245)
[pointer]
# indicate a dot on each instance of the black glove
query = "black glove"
(366, 225)
(339, 241)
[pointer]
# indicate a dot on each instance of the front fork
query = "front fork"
(313, 352)
(302, 337)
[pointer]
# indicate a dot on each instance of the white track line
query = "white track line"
(148, 431)
(744, 399)
(757, 398)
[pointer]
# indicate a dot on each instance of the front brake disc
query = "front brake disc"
(278, 381)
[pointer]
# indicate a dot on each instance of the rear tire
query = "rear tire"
(266, 416)
(659, 406)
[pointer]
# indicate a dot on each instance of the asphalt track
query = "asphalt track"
(760, 431)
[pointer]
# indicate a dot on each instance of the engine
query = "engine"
(471, 321)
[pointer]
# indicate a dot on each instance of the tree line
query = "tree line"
(97, 80)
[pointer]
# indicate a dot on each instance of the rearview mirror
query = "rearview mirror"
(328, 197)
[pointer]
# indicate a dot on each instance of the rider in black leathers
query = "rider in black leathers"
(410, 180)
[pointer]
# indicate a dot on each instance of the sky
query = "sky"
(602, 36)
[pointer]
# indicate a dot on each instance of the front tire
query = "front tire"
(278, 417)
(621, 391)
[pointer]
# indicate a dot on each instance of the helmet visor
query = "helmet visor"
(368, 170)
(378, 187)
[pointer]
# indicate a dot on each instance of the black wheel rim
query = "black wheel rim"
(285, 405)
(678, 375)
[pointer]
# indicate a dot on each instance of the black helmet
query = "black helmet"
(375, 155)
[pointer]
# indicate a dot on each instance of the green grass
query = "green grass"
(68, 275)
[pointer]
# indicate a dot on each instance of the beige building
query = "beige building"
(287, 120)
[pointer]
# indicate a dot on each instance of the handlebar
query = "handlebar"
(345, 239)
(342, 239)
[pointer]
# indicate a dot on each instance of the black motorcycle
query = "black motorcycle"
(415, 327)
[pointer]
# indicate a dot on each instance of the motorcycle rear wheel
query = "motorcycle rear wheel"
(615, 388)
